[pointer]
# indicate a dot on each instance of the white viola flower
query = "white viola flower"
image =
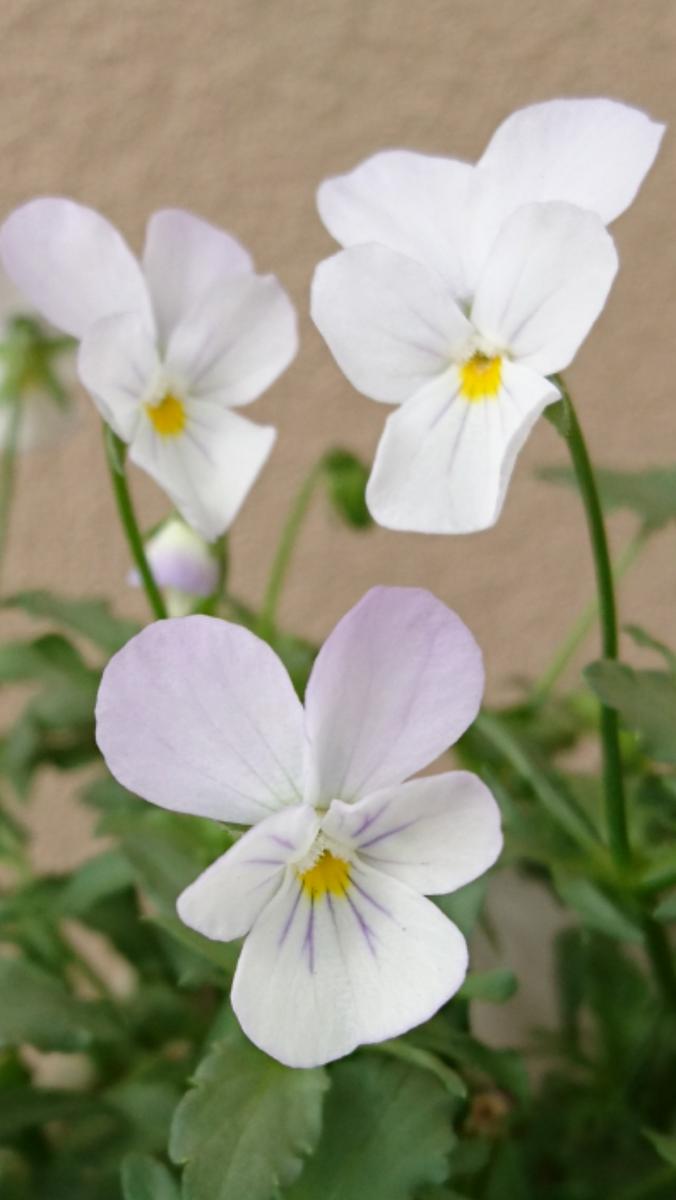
(170, 347)
(329, 886)
(183, 565)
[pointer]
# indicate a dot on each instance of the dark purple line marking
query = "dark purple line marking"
(289, 920)
(389, 833)
(364, 927)
(384, 911)
(309, 939)
(274, 837)
(368, 821)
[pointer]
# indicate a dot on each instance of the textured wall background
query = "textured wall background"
(236, 109)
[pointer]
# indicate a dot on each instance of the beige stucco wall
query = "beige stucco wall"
(237, 109)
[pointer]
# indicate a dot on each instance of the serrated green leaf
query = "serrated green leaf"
(387, 1131)
(143, 1178)
(37, 1008)
(244, 1128)
(664, 1144)
(597, 910)
(90, 618)
(346, 479)
(493, 987)
(650, 494)
(645, 700)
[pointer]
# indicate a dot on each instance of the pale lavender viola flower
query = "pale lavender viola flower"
(183, 565)
(170, 347)
(329, 887)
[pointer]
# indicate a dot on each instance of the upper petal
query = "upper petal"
(209, 469)
(545, 283)
(434, 834)
(593, 153)
(198, 715)
(236, 340)
(316, 978)
(226, 899)
(391, 324)
(413, 203)
(72, 264)
(183, 258)
(117, 362)
(443, 463)
(396, 683)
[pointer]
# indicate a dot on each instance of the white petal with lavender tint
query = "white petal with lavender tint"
(118, 362)
(199, 716)
(236, 341)
(316, 978)
(435, 834)
(183, 258)
(181, 559)
(396, 683)
(545, 283)
(228, 897)
(391, 324)
(72, 264)
(208, 469)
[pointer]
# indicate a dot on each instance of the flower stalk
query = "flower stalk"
(8, 472)
(282, 559)
(115, 457)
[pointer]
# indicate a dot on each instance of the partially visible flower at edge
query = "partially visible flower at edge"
(182, 563)
(343, 948)
(169, 348)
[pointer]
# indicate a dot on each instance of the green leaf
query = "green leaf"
(664, 1144)
(90, 618)
(143, 1178)
(36, 1008)
(597, 910)
(26, 1107)
(400, 1048)
(666, 910)
(47, 658)
(246, 1125)
(558, 415)
(650, 494)
(387, 1131)
(493, 987)
(95, 880)
(346, 479)
(165, 870)
(643, 638)
(464, 907)
(646, 702)
(223, 955)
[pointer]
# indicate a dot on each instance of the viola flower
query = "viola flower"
(169, 347)
(463, 287)
(183, 565)
(342, 947)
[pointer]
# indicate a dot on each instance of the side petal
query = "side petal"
(545, 283)
(443, 463)
(593, 153)
(199, 716)
(117, 362)
(72, 264)
(414, 203)
(390, 323)
(209, 469)
(236, 341)
(182, 260)
(316, 979)
(396, 683)
(434, 834)
(229, 896)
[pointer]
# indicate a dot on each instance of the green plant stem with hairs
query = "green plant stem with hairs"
(116, 453)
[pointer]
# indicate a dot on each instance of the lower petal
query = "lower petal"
(316, 978)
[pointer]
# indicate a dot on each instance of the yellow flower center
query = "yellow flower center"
(168, 416)
(480, 378)
(328, 874)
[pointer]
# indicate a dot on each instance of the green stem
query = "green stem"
(8, 471)
(661, 958)
(586, 620)
(615, 805)
(115, 455)
(285, 549)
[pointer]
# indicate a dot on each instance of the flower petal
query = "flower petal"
(236, 341)
(434, 834)
(198, 715)
(316, 979)
(390, 323)
(396, 683)
(413, 203)
(593, 153)
(117, 362)
(226, 899)
(443, 463)
(72, 264)
(545, 283)
(183, 258)
(179, 558)
(209, 469)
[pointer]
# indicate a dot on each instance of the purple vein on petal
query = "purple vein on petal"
(309, 939)
(364, 927)
(289, 920)
(388, 833)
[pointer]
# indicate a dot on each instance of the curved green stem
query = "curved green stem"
(115, 455)
(8, 471)
(615, 805)
(285, 549)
